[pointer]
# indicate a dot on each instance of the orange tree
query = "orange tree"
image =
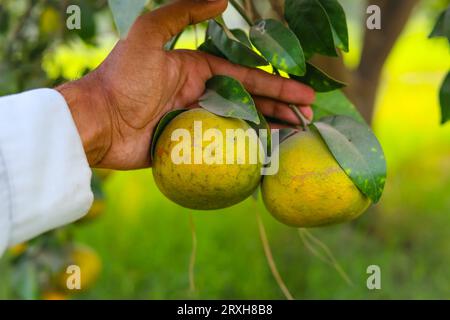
(294, 38)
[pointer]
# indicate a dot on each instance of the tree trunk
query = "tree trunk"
(377, 46)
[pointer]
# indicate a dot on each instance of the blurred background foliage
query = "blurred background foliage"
(143, 242)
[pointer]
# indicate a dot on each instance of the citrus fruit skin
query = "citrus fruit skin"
(310, 188)
(206, 186)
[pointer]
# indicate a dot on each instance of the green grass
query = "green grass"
(145, 243)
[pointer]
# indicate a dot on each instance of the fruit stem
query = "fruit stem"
(303, 121)
(269, 256)
(193, 255)
(242, 12)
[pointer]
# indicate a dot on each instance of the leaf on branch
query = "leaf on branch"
(334, 103)
(125, 13)
(231, 48)
(318, 80)
(338, 22)
(227, 97)
(241, 36)
(279, 45)
(310, 23)
(442, 26)
(169, 116)
(209, 47)
(358, 152)
(444, 97)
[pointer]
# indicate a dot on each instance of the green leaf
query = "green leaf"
(358, 152)
(442, 26)
(438, 29)
(338, 21)
(310, 23)
(169, 116)
(231, 48)
(444, 97)
(241, 36)
(209, 47)
(279, 45)
(125, 13)
(227, 97)
(334, 103)
(446, 25)
(318, 80)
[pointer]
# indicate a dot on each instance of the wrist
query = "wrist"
(88, 107)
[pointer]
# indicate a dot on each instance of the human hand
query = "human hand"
(117, 106)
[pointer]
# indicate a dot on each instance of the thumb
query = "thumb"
(166, 22)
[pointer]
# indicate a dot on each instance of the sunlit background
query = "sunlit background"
(144, 241)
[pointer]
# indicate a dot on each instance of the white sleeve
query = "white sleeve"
(44, 173)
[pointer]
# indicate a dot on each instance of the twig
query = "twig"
(269, 256)
(193, 255)
(303, 121)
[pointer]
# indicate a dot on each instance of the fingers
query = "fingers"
(279, 110)
(160, 25)
(261, 83)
